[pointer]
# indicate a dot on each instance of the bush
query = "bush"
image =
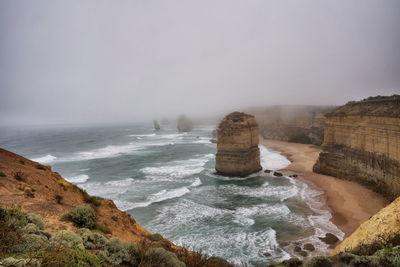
(117, 252)
(217, 262)
(68, 238)
(58, 199)
(20, 176)
(103, 228)
(31, 243)
(95, 201)
(2, 174)
(40, 167)
(319, 261)
(13, 262)
(72, 257)
(82, 216)
(22, 162)
(159, 257)
(155, 237)
(92, 240)
(35, 219)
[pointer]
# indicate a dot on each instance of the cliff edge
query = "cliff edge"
(362, 143)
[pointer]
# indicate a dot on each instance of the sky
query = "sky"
(94, 61)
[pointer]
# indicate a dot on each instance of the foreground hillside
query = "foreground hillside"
(47, 221)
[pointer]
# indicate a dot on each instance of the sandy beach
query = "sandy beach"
(350, 203)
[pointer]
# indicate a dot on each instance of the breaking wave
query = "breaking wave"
(46, 159)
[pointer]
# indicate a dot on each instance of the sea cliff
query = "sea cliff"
(299, 124)
(362, 143)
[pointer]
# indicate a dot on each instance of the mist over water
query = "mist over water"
(166, 181)
(122, 61)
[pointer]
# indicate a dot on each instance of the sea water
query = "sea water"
(167, 182)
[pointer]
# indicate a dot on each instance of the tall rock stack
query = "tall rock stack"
(238, 154)
(362, 143)
(184, 124)
(156, 125)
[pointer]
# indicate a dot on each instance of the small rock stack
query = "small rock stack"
(238, 154)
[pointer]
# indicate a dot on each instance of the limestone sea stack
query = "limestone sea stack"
(156, 125)
(238, 154)
(184, 124)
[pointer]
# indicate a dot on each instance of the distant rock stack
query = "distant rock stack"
(184, 124)
(156, 125)
(238, 154)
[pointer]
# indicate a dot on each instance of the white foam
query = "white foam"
(110, 189)
(280, 193)
(171, 136)
(46, 159)
(155, 198)
(177, 169)
(78, 179)
(236, 243)
(272, 160)
(277, 210)
(196, 183)
(142, 135)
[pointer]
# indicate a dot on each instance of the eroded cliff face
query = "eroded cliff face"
(300, 124)
(380, 230)
(362, 143)
(237, 147)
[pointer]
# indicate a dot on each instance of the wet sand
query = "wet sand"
(350, 203)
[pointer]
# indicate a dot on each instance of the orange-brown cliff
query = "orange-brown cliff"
(237, 147)
(362, 143)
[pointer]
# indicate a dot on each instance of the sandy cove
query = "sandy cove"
(350, 203)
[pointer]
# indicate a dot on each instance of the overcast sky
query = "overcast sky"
(111, 61)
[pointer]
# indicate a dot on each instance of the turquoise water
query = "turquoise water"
(166, 181)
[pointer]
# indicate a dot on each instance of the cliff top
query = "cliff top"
(380, 106)
(238, 116)
(32, 187)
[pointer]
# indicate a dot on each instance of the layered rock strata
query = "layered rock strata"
(237, 146)
(299, 124)
(362, 143)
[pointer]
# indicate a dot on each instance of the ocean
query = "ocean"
(166, 181)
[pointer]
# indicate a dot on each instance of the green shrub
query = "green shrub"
(22, 162)
(217, 262)
(68, 238)
(117, 252)
(60, 256)
(2, 174)
(31, 243)
(95, 201)
(92, 240)
(318, 261)
(292, 262)
(29, 193)
(159, 257)
(58, 199)
(82, 216)
(103, 228)
(155, 237)
(40, 167)
(20, 176)
(35, 219)
(16, 262)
